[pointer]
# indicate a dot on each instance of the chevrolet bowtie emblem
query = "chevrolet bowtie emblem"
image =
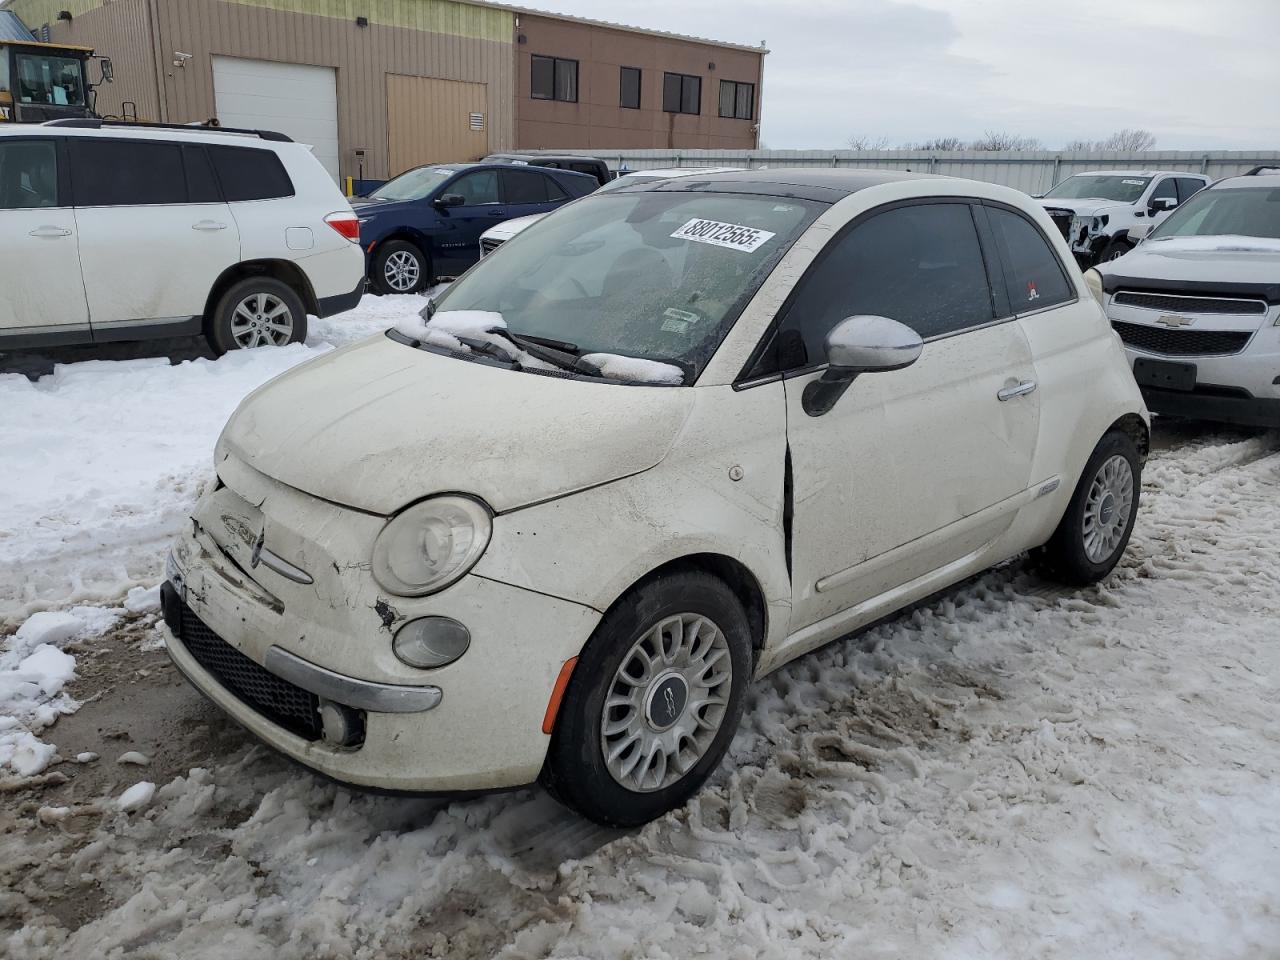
(1172, 320)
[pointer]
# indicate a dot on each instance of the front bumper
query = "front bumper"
(1238, 408)
(342, 302)
(475, 724)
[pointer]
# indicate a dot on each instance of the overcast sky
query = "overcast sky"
(1196, 73)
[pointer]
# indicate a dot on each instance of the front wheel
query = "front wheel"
(1094, 531)
(653, 702)
(257, 312)
(399, 267)
(1113, 251)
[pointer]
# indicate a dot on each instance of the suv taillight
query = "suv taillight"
(347, 224)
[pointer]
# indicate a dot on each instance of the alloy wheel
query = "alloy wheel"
(1107, 508)
(402, 271)
(261, 319)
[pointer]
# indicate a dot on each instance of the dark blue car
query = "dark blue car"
(426, 223)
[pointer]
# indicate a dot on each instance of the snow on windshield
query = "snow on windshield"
(449, 328)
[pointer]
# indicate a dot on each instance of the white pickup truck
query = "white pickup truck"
(1097, 210)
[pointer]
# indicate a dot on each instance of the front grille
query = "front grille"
(1181, 343)
(488, 245)
(285, 705)
(1182, 304)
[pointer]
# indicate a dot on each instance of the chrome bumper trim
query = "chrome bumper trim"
(362, 694)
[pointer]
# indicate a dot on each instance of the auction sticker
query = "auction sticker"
(731, 235)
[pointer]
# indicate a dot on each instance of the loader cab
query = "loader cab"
(46, 81)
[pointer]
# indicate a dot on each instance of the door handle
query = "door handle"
(1021, 390)
(50, 232)
(208, 225)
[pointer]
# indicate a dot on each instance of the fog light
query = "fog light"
(431, 642)
(340, 725)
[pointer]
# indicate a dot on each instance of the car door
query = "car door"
(917, 468)
(42, 293)
(457, 244)
(528, 192)
(148, 211)
(1164, 189)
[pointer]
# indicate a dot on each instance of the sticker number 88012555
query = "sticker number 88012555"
(730, 235)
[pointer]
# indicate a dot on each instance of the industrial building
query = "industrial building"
(379, 86)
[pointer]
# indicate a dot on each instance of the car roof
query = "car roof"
(1138, 173)
(672, 172)
(1259, 180)
(543, 156)
(807, 183)
(216, 135)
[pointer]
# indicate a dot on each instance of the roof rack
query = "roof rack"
(1266, 168)
(94, 123)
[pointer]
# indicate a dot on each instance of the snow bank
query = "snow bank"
(33, 671)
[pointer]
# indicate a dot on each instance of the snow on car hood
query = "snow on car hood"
(1223, 259)
(381, 424)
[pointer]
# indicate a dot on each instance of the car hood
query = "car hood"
(380, 424)
(509, 228)
(377, 208)
(1218, 260)
(1083, 208)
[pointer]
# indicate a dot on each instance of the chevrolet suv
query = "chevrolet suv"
(137, 231)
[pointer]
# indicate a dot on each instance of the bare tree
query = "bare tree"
(1126, 140)
(862, 141)
(1003, 140)
(937, 143)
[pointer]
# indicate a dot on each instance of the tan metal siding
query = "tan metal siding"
(429, 121)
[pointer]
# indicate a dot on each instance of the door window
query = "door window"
(109, 173)
(919, 264)
(1034, 276)
(1165, 189)
(476, 188)
(1187, 186)
(202, 186)
(247, 173)
(523, 186)
(28, 174)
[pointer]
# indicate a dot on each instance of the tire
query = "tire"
(399, 267)
(1072, 555)
(255, 312)
(1113, 250)
(576, 771)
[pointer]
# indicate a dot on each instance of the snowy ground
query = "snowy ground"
(1011, 770)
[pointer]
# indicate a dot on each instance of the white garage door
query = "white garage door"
(295, 99)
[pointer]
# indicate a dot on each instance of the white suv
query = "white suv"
(1096, 211)
(554, 526)
(130, 232)
(1198, 305)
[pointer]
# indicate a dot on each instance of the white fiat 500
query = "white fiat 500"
(654, 446)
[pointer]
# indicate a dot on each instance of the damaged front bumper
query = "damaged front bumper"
(309, 667)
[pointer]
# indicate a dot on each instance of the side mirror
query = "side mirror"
(1161, 204)
(450, 200)
(858, 345)
(108, 71)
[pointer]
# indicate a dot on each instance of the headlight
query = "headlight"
(1093, 279)
(430, 545)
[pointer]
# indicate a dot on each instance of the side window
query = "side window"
(1034, 276)
(476, 188)
(1187, 187)
(28, 174)
(920, 265)
(1166, 188)
(555, 191)
(202, 187)
(522, 186)
(247, 173)
(126, 173)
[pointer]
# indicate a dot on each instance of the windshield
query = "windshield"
(413, 184)
(1088, 187)
(627, 180)
(656, 276)
(1240, 212)
(49, 80)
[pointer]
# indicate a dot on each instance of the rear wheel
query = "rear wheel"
(399, 267)
(1094, 531)
(653, 702)
(257, 312)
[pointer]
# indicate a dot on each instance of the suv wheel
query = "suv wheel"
(653, 702)
(399, 267)
(257, 312)
(1113, 251)
(1094, 531)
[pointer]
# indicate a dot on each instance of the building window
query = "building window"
(554, 79)
(629, 88)
(681, 93)
(737, 100)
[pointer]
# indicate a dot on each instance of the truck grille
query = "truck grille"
(285, 705)
(1181, 343)
(488, 245)
(1184, 304)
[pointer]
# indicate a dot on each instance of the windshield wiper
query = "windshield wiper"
(558, 353)
(491, 349)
